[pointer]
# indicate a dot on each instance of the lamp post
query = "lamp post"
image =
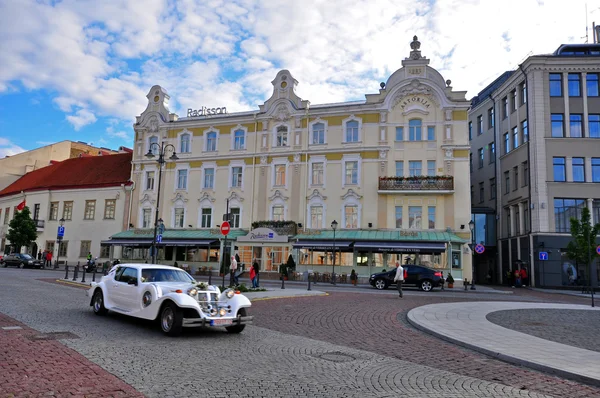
(162, 148)
(59, 238)
(334, 225)
(471, 226)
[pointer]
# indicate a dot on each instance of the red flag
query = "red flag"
(21, 205)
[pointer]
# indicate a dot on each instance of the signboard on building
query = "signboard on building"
(263, 235)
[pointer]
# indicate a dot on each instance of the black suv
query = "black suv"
(423, 277)
(21, 261)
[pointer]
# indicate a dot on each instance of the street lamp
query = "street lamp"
(334, 225)
(61, 222)
(162, 148)
(471, 226)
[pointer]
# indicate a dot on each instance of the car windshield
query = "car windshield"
(165, 275)
(27, 257)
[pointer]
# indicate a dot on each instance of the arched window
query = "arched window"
(211, 141)
(239, 140)
(153, 148)
(318, 133)
(414, 130)
(184, 146)
(352, 131)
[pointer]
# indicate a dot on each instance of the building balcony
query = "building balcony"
(39, 225)
(283, 228)
(416, 185)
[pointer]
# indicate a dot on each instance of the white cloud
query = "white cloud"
(82, 118)
(7, 148)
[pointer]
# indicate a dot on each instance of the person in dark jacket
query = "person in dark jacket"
(256, 271)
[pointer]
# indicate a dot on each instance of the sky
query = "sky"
(81, 69)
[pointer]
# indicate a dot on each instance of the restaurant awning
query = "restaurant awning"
(402, 247)
(322, 245)
(189, 242)
(127, 242)
(165, 242)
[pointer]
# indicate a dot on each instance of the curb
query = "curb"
(284, 297)
(503, 357)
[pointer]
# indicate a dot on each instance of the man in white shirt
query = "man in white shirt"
(399, 278)
(233, 269)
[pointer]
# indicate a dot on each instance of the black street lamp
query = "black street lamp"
(334, 225)
(471, 226)
(61, 222)
(162, 148)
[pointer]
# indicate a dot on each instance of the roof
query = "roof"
(483, 94)
(389, 235)
(84, 172)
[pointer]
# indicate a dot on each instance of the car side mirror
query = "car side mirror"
(132, 282)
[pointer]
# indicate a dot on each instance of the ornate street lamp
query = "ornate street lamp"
(162, 148)
(334, 225)
(471, 226)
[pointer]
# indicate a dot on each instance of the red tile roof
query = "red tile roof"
(84, 172)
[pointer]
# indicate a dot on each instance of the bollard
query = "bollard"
(66, 271)
(466, 283)
(83, 277)
(308, 282)
(75, 272)
(94, 276)
(282, 282)
(210, 277)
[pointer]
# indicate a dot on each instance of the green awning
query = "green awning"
(179, 234)
(359, 235)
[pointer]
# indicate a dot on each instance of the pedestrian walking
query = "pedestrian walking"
(233, 269)
(517, 276)
(524, 277)
(399, 278)
(253, 277)
(89, 258)
(48, 262)
(353, 277)
(39, 255)
(256, 271)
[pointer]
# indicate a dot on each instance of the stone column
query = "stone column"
(521, 218)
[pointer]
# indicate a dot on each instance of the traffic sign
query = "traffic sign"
(225, 228)
(543, 256)
(61, 231)
(159, 238)
(598, 249)
(479, 248)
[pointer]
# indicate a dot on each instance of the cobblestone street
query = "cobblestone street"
(348, 344)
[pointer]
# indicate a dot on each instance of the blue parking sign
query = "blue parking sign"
(61, 231)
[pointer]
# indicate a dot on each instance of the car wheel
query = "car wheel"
(426, 285)
(381, 284)
(237, 328)
(22, 265)
(98, 303)
(171, 320)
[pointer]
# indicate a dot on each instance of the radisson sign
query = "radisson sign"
(204, 111)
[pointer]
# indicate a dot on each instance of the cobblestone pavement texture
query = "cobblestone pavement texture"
(343, 345)
(574, 328)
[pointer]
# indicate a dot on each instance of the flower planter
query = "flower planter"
(450, 285)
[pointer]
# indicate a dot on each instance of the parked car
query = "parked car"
(424, 278)
(21, 261)
(169, 295)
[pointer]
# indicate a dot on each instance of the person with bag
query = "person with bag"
(256, 271)
(353, 277)
(399, 278)
(253, 277)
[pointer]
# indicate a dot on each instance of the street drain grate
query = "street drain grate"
(336, 357)
(53, 336)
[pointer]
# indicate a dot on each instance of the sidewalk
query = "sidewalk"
(466, 324)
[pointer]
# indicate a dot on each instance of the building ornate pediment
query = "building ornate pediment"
(417, 90)
(179, 197)
(282, 113)
(147, 198)
(316, 195)
(351, 194)
(278, 195)
(207, 197)
(235, 196)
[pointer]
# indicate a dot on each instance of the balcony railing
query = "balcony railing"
(424, 183)
(280, 227)
(39, 224)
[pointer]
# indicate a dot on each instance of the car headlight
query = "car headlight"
(30, 262)
(222, 311)
(192, 291)
(229, 293)
(372, 276)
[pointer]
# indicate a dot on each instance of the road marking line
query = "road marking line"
(11, 328)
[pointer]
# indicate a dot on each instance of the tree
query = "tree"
(582, 248)
(21, 230)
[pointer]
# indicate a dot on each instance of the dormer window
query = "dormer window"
(281, 137)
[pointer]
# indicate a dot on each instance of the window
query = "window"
(431, 216)
(576, 125)
(414, 130)
(479, 125)
(592, 84)
(63, 248)
(480, 151)
(146, 217)
(209, 178)
(316, 216)
(151, 147)
(596, 211)
(578, 169)
(594, 126)
(239, 140)
(351, 172)
(470, 131)
(492, 152)
(398, 216)
(508, 222)
(352, 131)
(351, 216)
(431, 133)
(506, 143)
(414, 168)
(471, 162)
(415, 216)
(558, 125)
(564, 210)
(179, 219)
(280, 175)
(68, 210)
(236, 177)
(211, 141)
(235, 217)
(53, 211)
(525, 217)
(277, 213)
(492, 188)
(523, 93)
(431, 167)
(399, 133)
(149, 180)
(504, 107)
(491, 118)
(317, 174)
(513, 100)
(595, 169)
(399, 168)
(90, 210)
(516, 173)
(574, 85)
(515, 137)
(318, 133)
(506, 182)
(85, 248)
(517, 221)
(481, 192)
(525, 174)
(206, 220)
(558, 165)
(36, 211)
(104, 251)
(184, 146)
(182, 179)
(555, 85)
(109, 209)
(6, 215)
